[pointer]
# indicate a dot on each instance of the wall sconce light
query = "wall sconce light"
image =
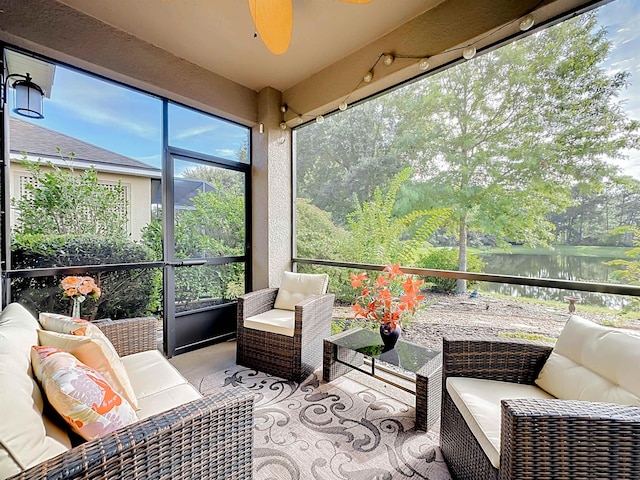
(368, 77)
(28, 96)
(423, 63)
(388, 60)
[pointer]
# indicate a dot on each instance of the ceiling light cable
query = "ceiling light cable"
(469, 51)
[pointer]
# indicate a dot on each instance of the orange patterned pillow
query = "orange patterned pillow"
(105, 358)
(72, 326)
(80, 394)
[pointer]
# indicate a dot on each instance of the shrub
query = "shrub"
(63, 201)
(375, 236)
(126, 293)
(316, 234)
(447, 259)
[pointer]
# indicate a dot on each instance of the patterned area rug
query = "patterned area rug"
(341, 430)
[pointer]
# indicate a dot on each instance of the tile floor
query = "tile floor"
(199, 363)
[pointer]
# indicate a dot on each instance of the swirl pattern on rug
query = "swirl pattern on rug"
(340, 430)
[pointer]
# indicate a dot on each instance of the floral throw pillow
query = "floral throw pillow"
(80, 394)
(108, 359)
(93, 353)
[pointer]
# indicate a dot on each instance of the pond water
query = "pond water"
(554, 266)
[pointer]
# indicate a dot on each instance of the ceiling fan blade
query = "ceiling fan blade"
(274, 23)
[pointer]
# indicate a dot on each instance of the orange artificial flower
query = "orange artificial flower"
(76, 287)
(379, 301)
(393, 270)
(356, 280)
(381, 281)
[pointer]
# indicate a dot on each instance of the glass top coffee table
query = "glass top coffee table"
(408, 366)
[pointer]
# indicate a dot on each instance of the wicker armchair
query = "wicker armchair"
(540, 439)
(291, 357)
(210, 438)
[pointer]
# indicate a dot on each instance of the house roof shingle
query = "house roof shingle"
(43, 142)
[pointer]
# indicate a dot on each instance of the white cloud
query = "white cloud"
(225, 152)
(104, 104)
(193, 131)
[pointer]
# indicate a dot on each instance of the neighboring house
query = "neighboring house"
(40, 144)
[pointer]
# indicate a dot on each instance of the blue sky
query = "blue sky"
(622, 20)
(127, 122)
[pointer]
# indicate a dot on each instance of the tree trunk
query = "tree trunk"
(461, 285)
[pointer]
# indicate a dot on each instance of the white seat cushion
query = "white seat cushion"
(593, 363)
(150, 373)
(277, 321)
(157, 384)
(295, 287)
(166, 400)
(479, 403)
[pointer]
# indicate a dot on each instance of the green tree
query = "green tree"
(594, 215)
(343, 160)
(68, 218)
(506, 137)
(316, 234)
(375, 235)
(378, 236)
(63, 201)
(211, 225)
(630, 271)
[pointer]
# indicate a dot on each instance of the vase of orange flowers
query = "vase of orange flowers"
(387, 299)
(78, 289)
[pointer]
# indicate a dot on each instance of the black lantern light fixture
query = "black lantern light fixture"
(28, 95)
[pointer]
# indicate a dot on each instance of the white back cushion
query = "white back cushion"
(594, 363)
(295, 287)
(25, 438)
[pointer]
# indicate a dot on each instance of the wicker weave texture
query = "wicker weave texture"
(517, 361)
(428, 393)
(543, 439)
(331, 368)
(293, 358)
(131, 335)
(209, 438)
(540, 439)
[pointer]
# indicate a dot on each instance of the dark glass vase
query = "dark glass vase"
(390, 335)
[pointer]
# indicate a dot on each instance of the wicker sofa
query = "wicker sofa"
(180, 434)
(537, 435)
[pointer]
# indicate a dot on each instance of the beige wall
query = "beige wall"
(138, 192)
(271, 202)
(64, 34)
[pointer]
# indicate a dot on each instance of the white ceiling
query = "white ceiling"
(216, 34)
